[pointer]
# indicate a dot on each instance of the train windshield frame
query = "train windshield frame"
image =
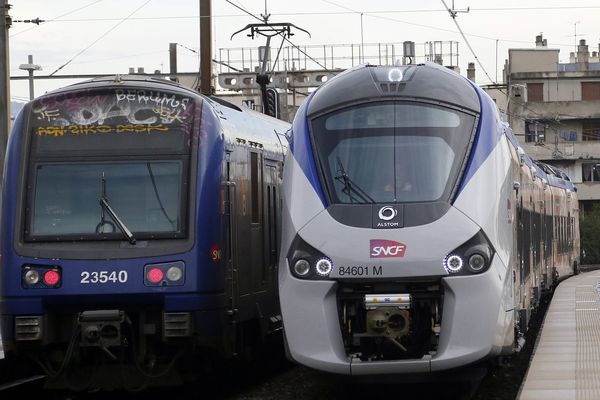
(129, 147)
(392, 151)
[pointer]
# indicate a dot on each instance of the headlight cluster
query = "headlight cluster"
(473, 257)
(306, 262)
(164, 274)
(41, 277)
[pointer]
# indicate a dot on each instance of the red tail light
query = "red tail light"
(154, 275)
(51, 277)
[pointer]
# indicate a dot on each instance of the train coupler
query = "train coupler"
(101, 328)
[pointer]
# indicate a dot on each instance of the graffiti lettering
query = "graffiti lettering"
(95, 129)
(141, 96)
(137, 107)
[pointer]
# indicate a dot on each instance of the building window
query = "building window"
(591, 130)
(568, 135)
(535, 92)
(590, 90)
(535, 132)
(590, 172)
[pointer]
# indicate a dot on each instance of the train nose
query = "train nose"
(451, 245)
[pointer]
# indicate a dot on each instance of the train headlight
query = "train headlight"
(473, 257)
(32, 277)
(164, 274)
(302, 267)
(174, 274)
(41, 276)
(476, 262)
(306, 262)
(453, 263)
(324, 266)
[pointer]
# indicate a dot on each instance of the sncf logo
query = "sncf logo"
(386, 248)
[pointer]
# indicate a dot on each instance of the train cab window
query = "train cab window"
(392, 152)
(128, 147)
(146, 196)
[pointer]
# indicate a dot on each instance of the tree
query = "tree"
(589, 226)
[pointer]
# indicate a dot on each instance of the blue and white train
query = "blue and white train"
(139, 232)
(418, 236)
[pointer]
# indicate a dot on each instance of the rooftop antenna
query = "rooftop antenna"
(576, 34)
(268, 30)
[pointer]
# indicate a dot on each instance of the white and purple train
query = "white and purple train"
(417, 235)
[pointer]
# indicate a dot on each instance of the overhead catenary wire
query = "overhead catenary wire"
(101, 37)
(374, 14)
(56, 18)
(314, 13)
(453, 16)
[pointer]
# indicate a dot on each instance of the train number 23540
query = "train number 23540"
(103, 277)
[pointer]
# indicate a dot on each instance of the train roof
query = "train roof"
(237, 122)
(242, 125)
(129, 80)
(366, 82)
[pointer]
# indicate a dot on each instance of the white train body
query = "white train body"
(424, 276)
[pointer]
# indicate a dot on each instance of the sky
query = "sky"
(110, 36)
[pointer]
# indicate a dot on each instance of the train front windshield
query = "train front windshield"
(101, 162)
(392, 152)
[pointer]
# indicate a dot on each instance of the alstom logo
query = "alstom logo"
(387, 248)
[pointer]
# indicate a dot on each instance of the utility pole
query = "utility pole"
(173, 61)
(5, 23)
(30, 67)
(205, 48)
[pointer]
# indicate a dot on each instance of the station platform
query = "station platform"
(566, 360)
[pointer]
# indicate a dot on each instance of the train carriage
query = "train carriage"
(417, 234)
(140, 231)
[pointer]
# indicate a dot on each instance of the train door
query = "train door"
(543, 263)
(248, 235)
(229, 232)
(271, 237)
(569, 238)
(256, 255)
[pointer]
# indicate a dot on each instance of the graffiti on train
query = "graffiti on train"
(123, 106)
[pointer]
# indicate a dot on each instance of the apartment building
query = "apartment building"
(554, 108)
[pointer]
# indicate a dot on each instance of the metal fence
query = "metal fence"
(333, 56)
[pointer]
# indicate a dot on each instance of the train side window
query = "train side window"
(254, 187)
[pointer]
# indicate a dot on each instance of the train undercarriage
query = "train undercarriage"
(390, 321)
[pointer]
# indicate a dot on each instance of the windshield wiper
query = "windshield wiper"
(350, 187)
(106, 207)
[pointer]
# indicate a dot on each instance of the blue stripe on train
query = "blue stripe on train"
(489, 132)
(301, 148)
